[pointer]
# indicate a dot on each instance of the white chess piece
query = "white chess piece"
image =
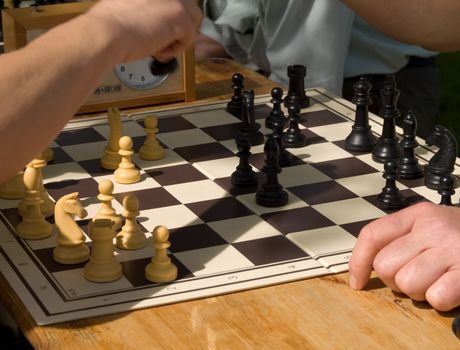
(130, 236)
(106, 210)
(33, 224)
(127, 173)
(161, 269)
(151, 149)
(71, 248)
(111, 159)
(102, 265)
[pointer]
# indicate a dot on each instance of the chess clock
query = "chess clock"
(127, 85)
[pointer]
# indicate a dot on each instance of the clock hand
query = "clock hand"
(159, 68)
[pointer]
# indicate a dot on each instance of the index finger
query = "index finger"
(373, 238)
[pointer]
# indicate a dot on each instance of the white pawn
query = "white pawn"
(102, 265)
(106, 210)
(127, 173)
(130, 236)
(33, 224)
(151, 149)
(161, 269)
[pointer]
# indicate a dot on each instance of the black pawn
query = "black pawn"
(284, 158)
(249, 129)
(443, 162)
(361, 138)
(276, 113)
(446, 190)
(235, 105)
(390, 198)
(296, 93)
(243, 175)
(294, 137)
(409, 167)
(387, 146)
(271, 193)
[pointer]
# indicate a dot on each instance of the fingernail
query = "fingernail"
(353, 282)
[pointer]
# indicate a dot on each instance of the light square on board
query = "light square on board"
(211, 260)
(301, 174)
(349, 210)
(214, 117)
(172, 217)
(367, 184)
(243, 228)
(63, 172)
(170, 158)
(218, 168)
(184, 138)
(324, 240)
(196, 191)
(333, 132)
(319, 152)
(146, 182)
(84, 151)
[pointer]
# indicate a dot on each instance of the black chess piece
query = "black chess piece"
(361, 138)
(243, 175)
(284, 158)
(235, 105)
(271, 193)
(446, 190)
(276, 113)
(443, 162)
(387, 146)
(409, 167)
(294, 137)
(456, 326)
(249, 129)
(390, 198)
(296, 92)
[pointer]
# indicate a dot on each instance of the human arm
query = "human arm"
(414, 251)
(44, 83)
(432, 24)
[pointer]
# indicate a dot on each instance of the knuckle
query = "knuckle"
(440, 297)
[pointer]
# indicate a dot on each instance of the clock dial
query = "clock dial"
(137, 75)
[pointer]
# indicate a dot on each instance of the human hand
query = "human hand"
(140, 28)
(205, 47)
(415, 251)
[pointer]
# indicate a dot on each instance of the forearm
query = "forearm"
(46, 82)
(432, 24)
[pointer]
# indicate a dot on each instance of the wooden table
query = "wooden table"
(320, 313)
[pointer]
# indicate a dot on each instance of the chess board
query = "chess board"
(221, 240)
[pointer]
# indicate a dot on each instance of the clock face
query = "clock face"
(137, 74)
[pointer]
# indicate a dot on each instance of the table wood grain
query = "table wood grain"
(320, 313)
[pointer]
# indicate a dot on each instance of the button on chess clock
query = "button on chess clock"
(137, 75)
